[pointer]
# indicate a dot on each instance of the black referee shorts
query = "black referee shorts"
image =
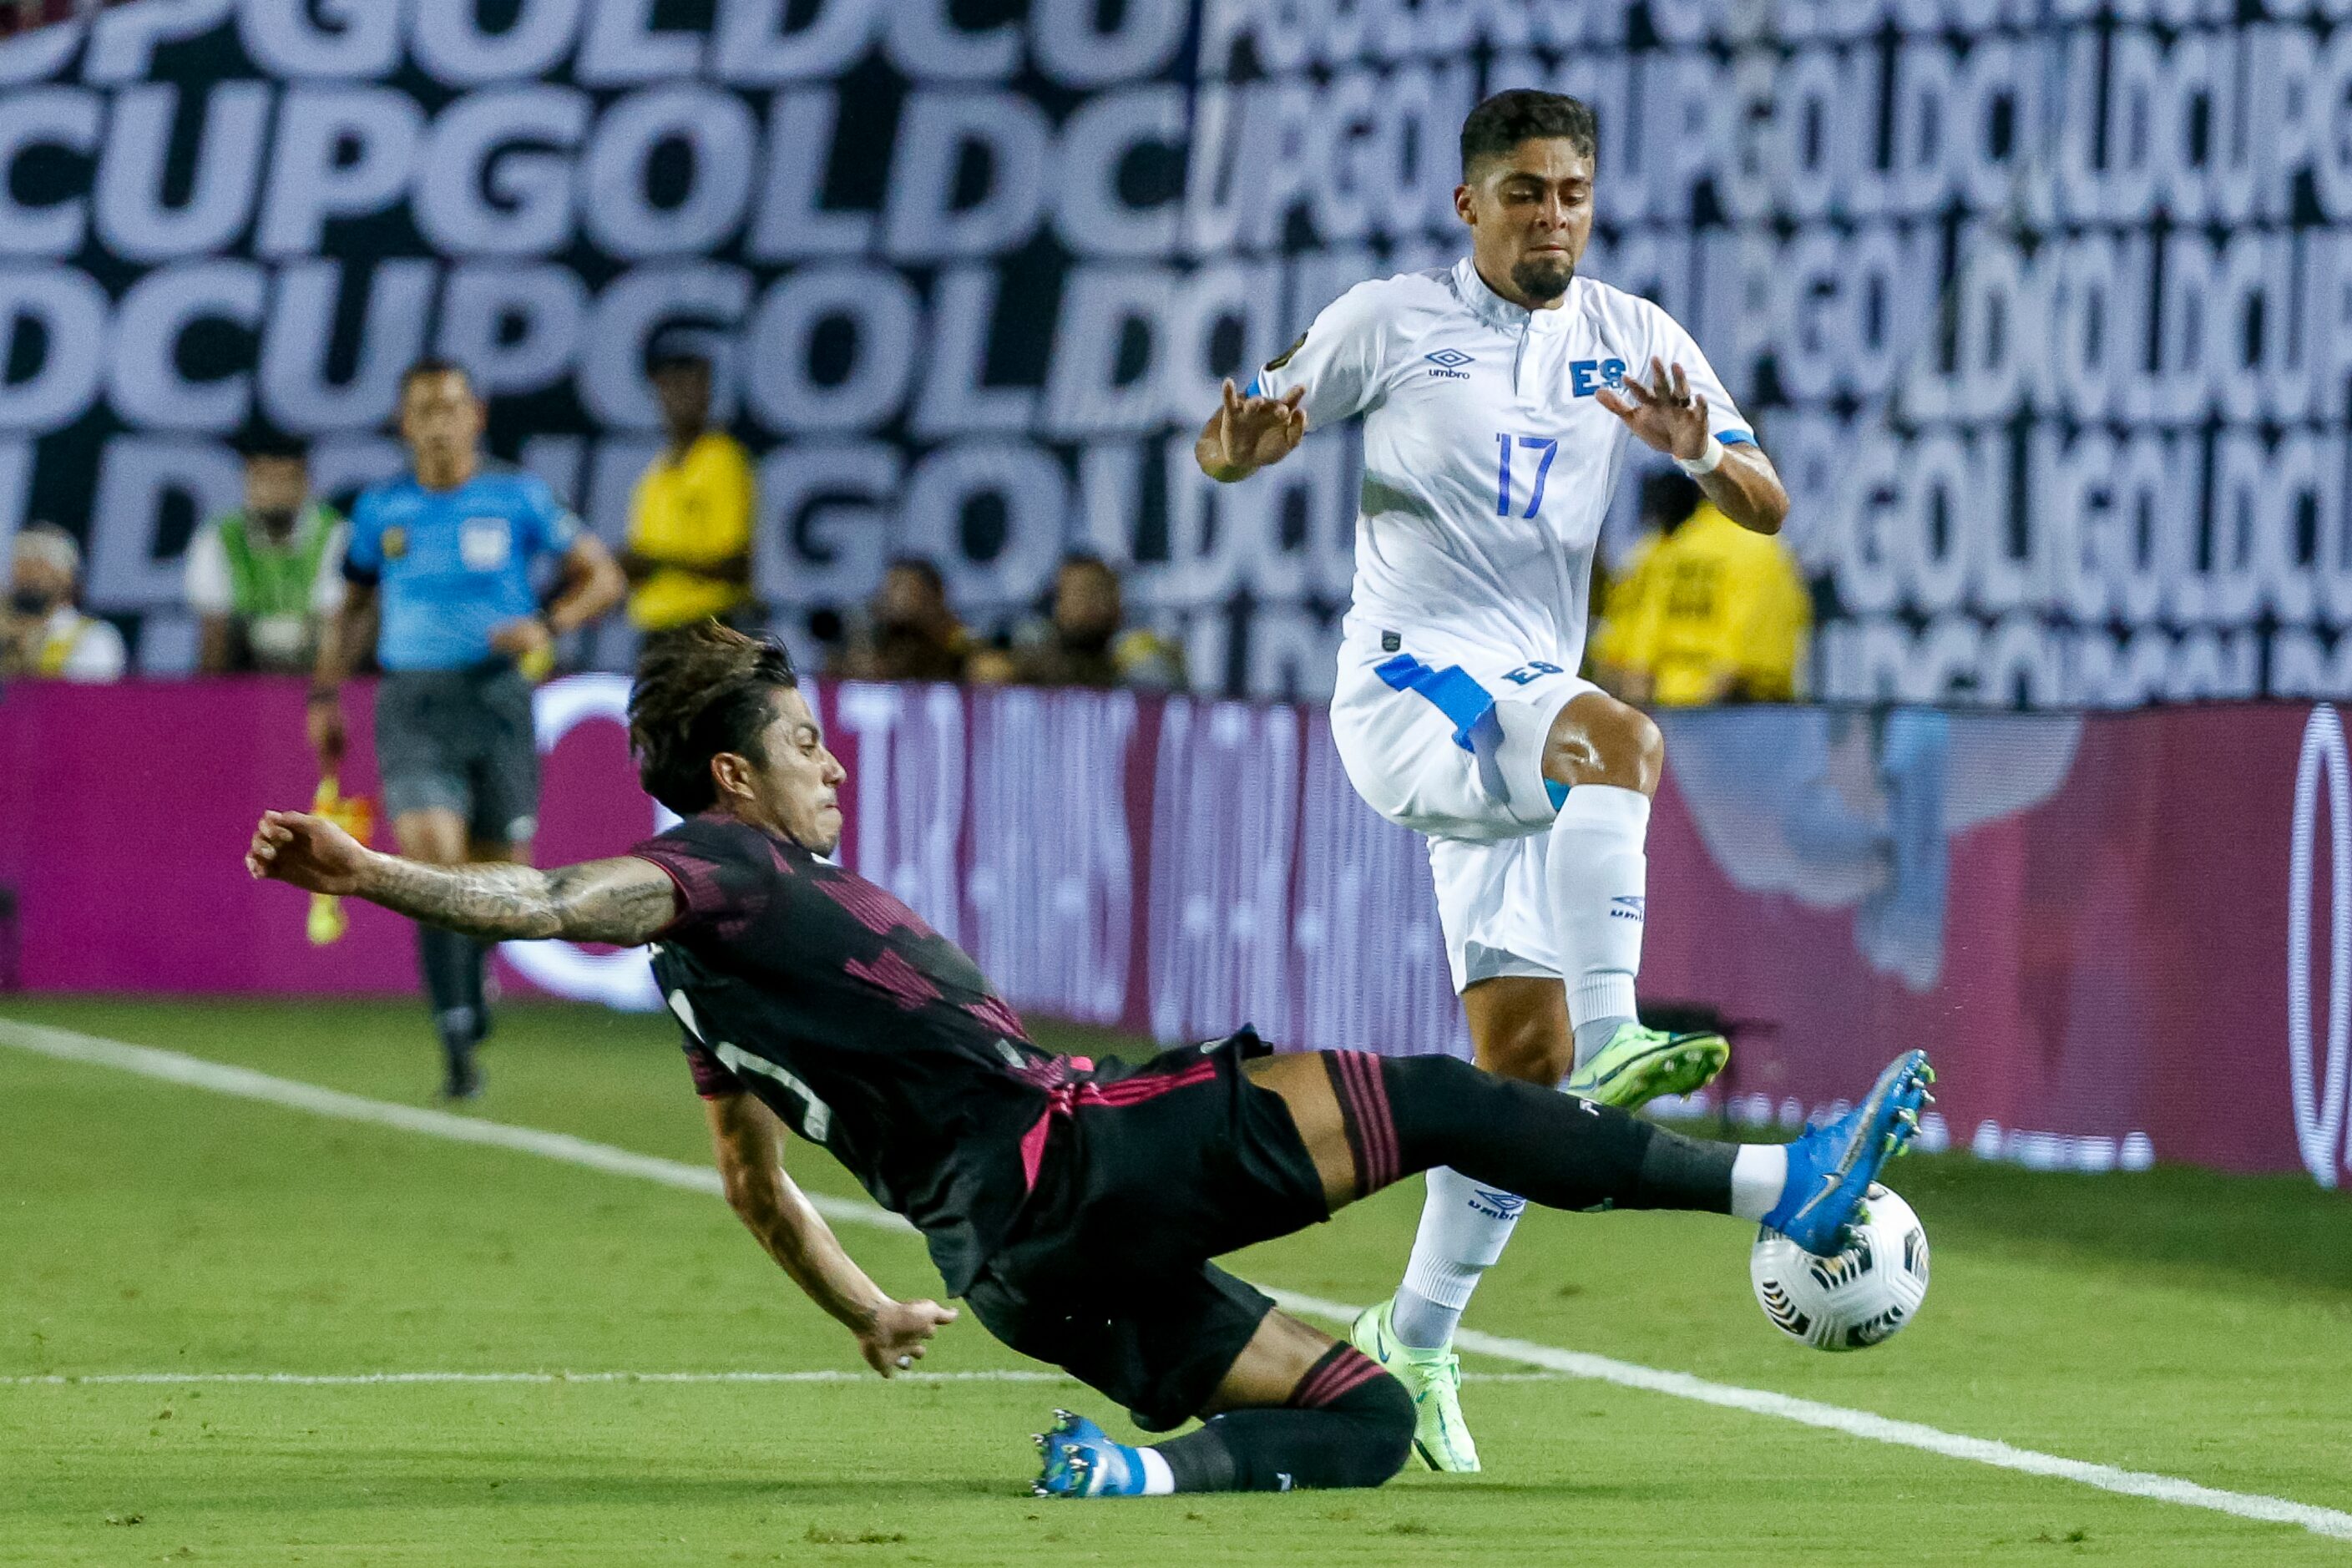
(461, 740)
(1106, 1272)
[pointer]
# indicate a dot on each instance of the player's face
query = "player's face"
(440, 417)
(276, 486)
(683, 392)
(800, 787)
(1529, 215)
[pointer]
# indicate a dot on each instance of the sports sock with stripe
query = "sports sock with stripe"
(1348, 1424)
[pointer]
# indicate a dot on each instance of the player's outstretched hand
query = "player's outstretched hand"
(1665, 414)
(305, 850)
(1250, 432)
(893, 1341)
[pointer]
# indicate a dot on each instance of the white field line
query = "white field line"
(368, 1378)
(195, 1073)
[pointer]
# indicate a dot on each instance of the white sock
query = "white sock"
(1599, 877)
(1759, 1172)
(1463, 1229)
(1159, 1480)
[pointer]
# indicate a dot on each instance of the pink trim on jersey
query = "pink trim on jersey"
(895, 975)
(872, 908)
(1066, 1099)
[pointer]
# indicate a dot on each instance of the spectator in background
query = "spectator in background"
(263, 581)
(688, 557)
(42, 629)
(912, 631)
(1082, 642)
(1706, 611)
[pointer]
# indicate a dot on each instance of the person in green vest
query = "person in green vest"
(265, 578)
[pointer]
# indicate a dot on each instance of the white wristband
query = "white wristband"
(1707, 462)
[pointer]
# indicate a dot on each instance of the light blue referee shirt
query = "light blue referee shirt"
(450, 566)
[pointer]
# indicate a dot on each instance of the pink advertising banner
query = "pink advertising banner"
(2090, 921)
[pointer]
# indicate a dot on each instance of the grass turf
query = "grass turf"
(2176, 1321)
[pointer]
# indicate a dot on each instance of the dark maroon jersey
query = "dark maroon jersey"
(860, 1026)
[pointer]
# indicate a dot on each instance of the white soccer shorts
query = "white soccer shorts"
(1446, 738)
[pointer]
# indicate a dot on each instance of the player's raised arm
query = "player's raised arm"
(1669, 417)
(1248, 433)
(743, 1139)
(624, 901)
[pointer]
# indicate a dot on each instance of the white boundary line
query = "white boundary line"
(196, 1072)
(367, 1379)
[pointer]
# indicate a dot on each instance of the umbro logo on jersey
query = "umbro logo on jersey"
(1626, 907)
(1449, 364)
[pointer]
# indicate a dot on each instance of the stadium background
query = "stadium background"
(2043, 307)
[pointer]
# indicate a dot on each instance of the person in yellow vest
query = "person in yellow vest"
(42, 630)
(266, 579)
(1705, 611)
(688, 557)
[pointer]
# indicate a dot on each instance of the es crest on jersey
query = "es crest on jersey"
(396, 543)
(484, 543)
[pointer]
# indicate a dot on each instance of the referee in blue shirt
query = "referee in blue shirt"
(441, 561)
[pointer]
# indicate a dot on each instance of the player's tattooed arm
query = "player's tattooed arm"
(624, 901)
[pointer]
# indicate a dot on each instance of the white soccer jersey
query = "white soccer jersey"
(1488, 464)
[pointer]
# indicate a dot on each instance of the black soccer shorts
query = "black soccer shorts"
(1106, 1271)
(461, 740)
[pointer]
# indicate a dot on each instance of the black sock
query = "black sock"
(446, 961)
(1348, 1424)
(1551, 1148)
(478, 971)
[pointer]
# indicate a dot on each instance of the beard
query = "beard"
(1542, 277)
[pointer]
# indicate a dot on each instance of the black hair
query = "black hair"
(431, 365)
(1498, 126)
(700, 692)
(1668, 497)
(272, 447)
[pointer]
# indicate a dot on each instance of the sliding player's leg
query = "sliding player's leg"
(1295, 1410)
(1376, 1118)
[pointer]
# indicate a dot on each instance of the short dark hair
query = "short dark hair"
(1669, 497)
(432, 364)
(1498, 125)
(272, 447)
(700, 692)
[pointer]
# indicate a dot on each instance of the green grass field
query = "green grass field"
(2176, 1323)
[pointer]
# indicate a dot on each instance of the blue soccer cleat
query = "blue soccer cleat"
(1082, 1461)
(1831, 1167)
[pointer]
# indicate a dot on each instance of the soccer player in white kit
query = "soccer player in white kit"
(1497, 398)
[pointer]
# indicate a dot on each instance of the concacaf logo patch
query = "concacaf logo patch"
(396, 543)
(1278, 361)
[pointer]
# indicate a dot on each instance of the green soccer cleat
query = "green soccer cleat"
(1638, 1065)
(1434, 1378)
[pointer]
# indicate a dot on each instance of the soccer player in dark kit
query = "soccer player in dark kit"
(1074, 1207)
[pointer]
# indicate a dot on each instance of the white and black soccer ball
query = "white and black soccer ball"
(1849, 1303)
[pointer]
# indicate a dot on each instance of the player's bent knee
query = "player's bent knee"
(1598, 739)
(1387, 1419)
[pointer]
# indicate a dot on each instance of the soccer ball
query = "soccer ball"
(1854, 1300)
